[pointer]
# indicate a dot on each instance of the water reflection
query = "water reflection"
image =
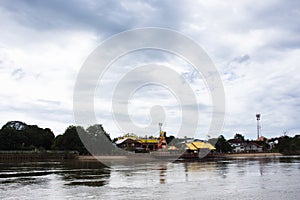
(222, 168)
(263, 166)
(162, 173)
(86, 173)
(289, 159)
(200, 166)
(207, 167)
(260, 178)
(72, 173)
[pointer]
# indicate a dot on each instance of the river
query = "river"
(251, 178)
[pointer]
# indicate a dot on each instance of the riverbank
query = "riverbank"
(146, 157)
(88, 158)
(32, 156)
(36, 156)
(252, 155)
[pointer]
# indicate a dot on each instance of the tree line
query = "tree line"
(285, 144)
(16, 135)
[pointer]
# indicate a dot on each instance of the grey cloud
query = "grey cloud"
(230, 69)
(168, 14)
(51, 113)
(48, 101)
(276, 99)
(280, 17)
(104, 17)
(280, 14)
(286, 41)
(191, 75)
(241, 59)
(18, 74)
(44, 15)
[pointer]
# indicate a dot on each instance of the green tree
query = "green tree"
(288, 145)
(70, 140)
(239, 136)
(98, 129)
(222, 145)
(99, 141)
(169, 139)
(16, 135)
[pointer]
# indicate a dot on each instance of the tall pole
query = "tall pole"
(258, 126)
(160, 125)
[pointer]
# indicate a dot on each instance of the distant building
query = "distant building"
(253, 147)
(238, 146)
(262, 139)
(197, 149)
(128, 144)
(134, 143)
(149, 144)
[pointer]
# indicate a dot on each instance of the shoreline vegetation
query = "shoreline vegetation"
(253, 155)
(19, 141)
(71, 156)
(226, 156)
(36, 156)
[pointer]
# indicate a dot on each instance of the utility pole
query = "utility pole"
(258, 126)
(160, 125)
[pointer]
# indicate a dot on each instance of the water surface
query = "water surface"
(260, 178)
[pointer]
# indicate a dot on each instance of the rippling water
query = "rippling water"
(261, 178)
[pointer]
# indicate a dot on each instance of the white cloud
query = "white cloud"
(255, 47)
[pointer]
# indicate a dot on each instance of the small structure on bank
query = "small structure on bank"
(158, 146)
(131, 142)
(128, 144)
(240, 146)
(198, 149)
(237, 145)
(253, 147)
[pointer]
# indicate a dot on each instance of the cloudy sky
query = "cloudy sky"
(255, 45)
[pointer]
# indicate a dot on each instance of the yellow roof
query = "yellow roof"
(191, 146)
(200, 145)
(148, 140)
(210, 146)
